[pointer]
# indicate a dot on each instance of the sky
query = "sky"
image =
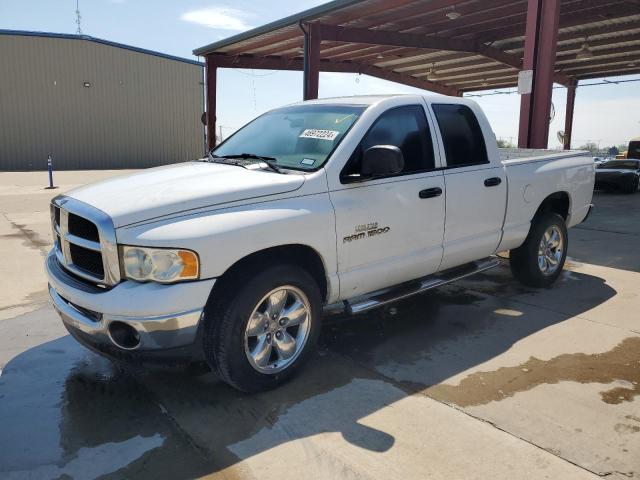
(606, 115)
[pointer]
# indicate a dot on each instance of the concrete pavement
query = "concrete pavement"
(481, 379)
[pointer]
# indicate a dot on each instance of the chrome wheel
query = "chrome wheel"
(278, 329)
(550, 250)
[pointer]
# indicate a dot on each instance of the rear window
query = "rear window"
(463, 140)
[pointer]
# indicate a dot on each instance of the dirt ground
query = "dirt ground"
(480, 379)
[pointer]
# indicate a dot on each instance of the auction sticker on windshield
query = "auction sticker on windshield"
(319, 134)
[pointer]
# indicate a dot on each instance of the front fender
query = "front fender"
(224, 236)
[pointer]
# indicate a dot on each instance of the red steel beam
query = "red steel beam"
(211, 76)
(368, 16)
(277, 63)
(380, 37)
(311, 61)
(409, 80)
(539, 56)
(568, 117)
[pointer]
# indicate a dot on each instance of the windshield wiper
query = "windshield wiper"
(252, 156)
(218, 159)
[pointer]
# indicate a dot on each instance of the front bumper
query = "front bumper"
(163, 317)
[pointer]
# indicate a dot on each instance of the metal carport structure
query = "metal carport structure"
(446, 46)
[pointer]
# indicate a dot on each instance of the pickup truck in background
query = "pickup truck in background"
(347, 203)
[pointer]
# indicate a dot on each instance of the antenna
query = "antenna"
(78, 18)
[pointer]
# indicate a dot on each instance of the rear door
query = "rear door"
(387, 230)
(476, 189)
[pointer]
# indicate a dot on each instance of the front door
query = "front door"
(390, 230)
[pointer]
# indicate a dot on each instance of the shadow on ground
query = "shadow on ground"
(66, 412)
(611, 235)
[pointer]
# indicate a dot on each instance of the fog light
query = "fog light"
(124, 335)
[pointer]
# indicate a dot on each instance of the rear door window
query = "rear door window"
(461, 134)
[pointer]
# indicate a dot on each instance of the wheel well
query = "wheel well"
(301, 255)
(555, 203)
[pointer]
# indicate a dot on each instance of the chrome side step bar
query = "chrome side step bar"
(364, 303)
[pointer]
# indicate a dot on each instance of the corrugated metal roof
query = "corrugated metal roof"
(610, 28)
(88, 38)
(310, 14)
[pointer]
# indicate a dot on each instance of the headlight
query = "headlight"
(159, 264)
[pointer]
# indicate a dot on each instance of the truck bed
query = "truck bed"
(534, 174)
(510, 156)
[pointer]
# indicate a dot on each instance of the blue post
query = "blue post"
(50, 168)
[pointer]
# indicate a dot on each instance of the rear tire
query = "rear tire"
(250, 313)
(538, 262)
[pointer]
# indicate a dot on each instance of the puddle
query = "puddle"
(66, 413)
(619, 366)
(30, 238)
(31, 300)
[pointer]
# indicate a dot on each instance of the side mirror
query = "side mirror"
(381, 160)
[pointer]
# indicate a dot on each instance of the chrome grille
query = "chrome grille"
(84, 241)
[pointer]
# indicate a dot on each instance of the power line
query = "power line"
(603, 82)
(253, 74)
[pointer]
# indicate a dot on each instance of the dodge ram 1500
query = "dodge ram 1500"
(346, 203)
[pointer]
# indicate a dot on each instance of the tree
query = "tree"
(591, 146)
(504, 144)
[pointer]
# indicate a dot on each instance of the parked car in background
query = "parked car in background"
(347, 203)
(622, 175)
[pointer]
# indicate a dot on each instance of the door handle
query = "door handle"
(430, 192)
(492, 182)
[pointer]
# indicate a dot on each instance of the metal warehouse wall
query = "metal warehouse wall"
(140, 111)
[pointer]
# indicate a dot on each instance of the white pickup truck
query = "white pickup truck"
(346, 203)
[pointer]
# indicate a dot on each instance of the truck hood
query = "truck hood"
(161, 191)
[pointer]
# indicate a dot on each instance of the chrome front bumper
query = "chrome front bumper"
(92, 310)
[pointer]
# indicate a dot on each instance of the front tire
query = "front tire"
(538, 262)
(260, 328)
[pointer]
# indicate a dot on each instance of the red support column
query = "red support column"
(539, 55)
(568, 118)
(311, 61)
(211, 74)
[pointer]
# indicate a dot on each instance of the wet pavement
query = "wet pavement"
(481, 379)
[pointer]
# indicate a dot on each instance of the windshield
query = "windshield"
(301, 137)
(620, 164)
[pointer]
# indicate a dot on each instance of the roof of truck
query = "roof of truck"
(372, 99)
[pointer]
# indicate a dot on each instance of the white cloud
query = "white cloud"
(218, 17)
